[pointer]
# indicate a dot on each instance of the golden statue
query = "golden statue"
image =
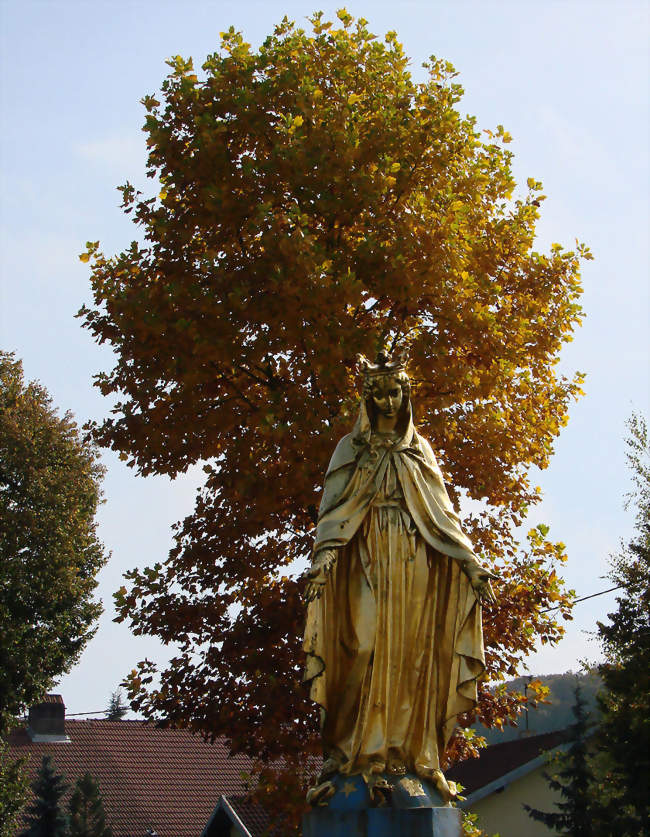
(393, 636)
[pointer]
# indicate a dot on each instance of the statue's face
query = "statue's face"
(387, 396)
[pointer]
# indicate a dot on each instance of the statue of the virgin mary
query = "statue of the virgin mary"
(393, 636)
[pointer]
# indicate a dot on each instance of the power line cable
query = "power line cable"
(547, 610)
(73, 714)
(584, 598)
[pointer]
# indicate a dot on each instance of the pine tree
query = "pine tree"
(624, 735)
(117, 709)
(45, 817)
(573, 781)
(87, 816)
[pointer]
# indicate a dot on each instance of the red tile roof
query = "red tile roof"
(498, 759)
(254, 817)
(168, 780)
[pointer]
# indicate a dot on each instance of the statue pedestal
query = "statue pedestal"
(412, 808)
(383, 822)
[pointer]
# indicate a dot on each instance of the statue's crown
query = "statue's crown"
(384, 365)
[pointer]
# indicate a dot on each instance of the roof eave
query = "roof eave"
(508, 778)
(224, 805)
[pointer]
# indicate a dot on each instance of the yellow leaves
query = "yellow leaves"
(291, 255)
(538, 689)
(345, 17)
(473, 378)
(292, 123)
(181, 66)
(319, 25)
(502, 134)
(91, 249)
(583, 251)
(150, 102)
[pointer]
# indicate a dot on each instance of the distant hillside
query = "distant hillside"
(556, 713)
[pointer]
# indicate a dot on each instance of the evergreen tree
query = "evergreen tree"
(117, 709)
(87, 816)
(573, 780)
(45, 818)
(624, 735)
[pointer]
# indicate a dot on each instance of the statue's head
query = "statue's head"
(386, 386)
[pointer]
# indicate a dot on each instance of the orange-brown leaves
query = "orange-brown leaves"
(315, 202)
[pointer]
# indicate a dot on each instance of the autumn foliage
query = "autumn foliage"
(315, 201)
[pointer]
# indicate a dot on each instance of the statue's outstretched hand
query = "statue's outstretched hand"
(479, 578)
(318, 572)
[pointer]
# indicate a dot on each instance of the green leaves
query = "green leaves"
(14, 786)
(49, 551)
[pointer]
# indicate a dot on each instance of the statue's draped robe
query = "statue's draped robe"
(394, 644)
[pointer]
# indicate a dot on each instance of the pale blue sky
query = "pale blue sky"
(568, 79)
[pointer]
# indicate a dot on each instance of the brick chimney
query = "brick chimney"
(46, 721)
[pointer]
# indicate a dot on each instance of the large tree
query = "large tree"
(49, 551)
(624, 734)
(315, 201)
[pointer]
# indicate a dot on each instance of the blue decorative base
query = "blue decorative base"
(383, 822)
(413, 808)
